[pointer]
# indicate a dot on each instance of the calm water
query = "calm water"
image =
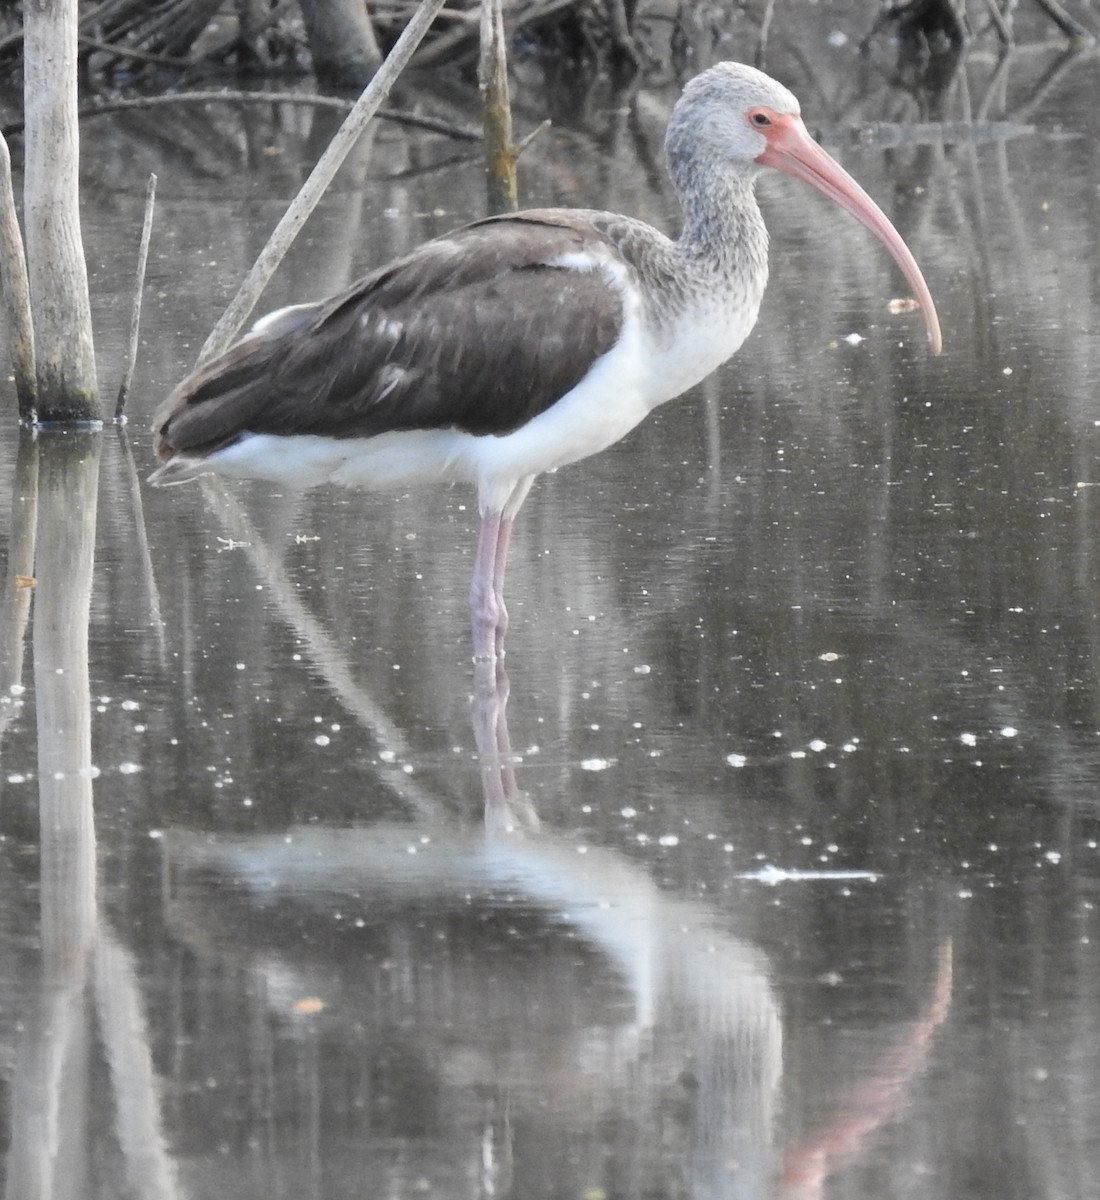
(777, 875)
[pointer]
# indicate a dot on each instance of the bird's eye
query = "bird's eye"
(760, 118)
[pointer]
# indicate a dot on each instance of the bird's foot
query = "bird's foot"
(488, 648)
(488, 639)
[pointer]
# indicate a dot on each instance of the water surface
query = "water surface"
(777, 873)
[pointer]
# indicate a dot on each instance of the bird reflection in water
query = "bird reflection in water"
(539, 983)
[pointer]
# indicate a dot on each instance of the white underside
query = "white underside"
(627, 383)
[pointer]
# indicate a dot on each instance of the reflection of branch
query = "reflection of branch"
(875, 1102)
(306, 99)
(68, 491)
(49, 1124)
(995, 87)
(45, 1092)
(885, 135)
(15, 604)
(1067, 24)
(141, 534)
(121, 50)
(123, 1030)
(1052, 80)
(329, 659)
(53, 1061)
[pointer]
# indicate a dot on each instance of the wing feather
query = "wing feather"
(480, 330)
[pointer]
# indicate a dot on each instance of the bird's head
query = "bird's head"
(729, 109)
(738, 115)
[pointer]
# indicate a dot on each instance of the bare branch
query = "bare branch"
(139, 291)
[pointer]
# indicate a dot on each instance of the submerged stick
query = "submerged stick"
(320, 177)
(17, 293)
(139, 292)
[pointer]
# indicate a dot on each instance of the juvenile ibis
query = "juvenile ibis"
(520, 343)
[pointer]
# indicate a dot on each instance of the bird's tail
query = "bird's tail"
(181, 468)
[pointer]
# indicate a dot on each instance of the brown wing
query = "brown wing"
(476, 330)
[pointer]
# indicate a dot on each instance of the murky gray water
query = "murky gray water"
(778, 876)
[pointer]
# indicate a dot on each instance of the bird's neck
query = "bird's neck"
(723, 226)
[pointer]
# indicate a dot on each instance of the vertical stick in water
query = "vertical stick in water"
(492, 78)
(139, 291)
(17, 293)
(64, 351)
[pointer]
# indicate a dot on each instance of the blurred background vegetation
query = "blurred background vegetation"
(156, 45)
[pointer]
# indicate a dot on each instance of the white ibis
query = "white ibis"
(519, 343)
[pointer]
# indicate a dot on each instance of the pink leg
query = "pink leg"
(487, 611)
(500, 561)
(486, 608)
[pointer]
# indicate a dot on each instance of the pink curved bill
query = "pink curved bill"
(791, 149)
